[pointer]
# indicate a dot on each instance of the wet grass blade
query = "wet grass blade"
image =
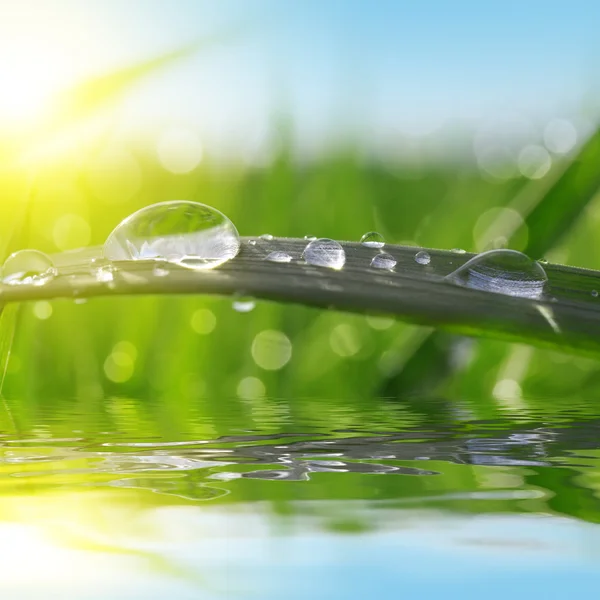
(568, 315)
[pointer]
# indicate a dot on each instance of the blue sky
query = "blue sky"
(347, 67)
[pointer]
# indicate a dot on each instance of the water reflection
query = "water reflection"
(398, 495)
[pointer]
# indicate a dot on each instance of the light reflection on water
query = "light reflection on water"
(431, 506)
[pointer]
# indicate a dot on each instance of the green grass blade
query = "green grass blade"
(569, 316)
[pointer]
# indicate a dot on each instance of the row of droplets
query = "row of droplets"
(197, 237)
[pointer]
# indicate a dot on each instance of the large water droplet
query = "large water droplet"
(279, 257)
(504, 272)
(422, 257)
(324, 253)
(243, 304)
(372, 239)
(383, 261)
(188, 234)
(28, 267)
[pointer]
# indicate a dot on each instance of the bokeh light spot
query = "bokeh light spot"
(179, 150)
(70, 232)
(203, 321)
(534, 161)
(42, 310)
(344, 340)
(271, 349)
(119, 367)
(251, 388)
(560, 136)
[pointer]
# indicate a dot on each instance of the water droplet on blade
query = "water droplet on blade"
(372, 239)
(503, 272)
(310, 238)
(325, 253)
(251, 242)
(458, 251)
(160, 271)
(28, 267)
(189, 234)
(383, 261)
(266, 236)
(422, 258)
(595, 293)
(243, 304)
(279, 257)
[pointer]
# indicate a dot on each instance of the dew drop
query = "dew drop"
(324, 253)
(459, 251)
(422, 258)
(243, 304)
(595, 293)
(372, 239)
(266, 236)
(504, 272)
(189, 234)
(28, 267)
(310, 238)
(160, 271)
(251, 242)
(383, 261)
(279, 257)
(103, 271)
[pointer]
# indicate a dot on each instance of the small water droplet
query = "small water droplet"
(243, 304)
(422, 257)
(325, 253)
(28, 267)
(459, 251)
(190, 234)
(543, 261)
(279, 257)
(266, 236)
(595, 293)
(251, 242)
(504, 272)
(310, 238)
(372, 239)
(383, 261)
(160, 271)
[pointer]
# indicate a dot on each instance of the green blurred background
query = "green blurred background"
(86, 141)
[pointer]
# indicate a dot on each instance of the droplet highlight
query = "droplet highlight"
(325, 253)
(189, 234)
(383, 261)
(28, 267)
(503, 271)
(279, 257)
(266, 236)
(422, 258)
(372, 239)
(243, 304)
